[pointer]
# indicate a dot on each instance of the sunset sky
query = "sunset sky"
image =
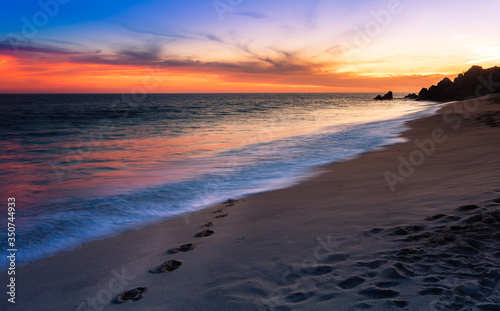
(76, 46)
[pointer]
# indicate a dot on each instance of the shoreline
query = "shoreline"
(261, 254)
(287, 161)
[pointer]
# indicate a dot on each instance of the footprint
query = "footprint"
(131, 295)
(298, 297)
(408, 259)
(222, 215)
(432, 291)
(467, 208)
(352, 282)
(230, 202)
(327, 297)
(463, 250)
(372, 264)
(321, 270)
(434, 217)
(488, 307)
(167, 266)
(405, 230)
(337, 257)
(392, 273)
(400, 303)
(220, 210)
(183, 248)
(403, 269)
(375, 293)
(452, 218)
(409, 251)
(474, 219)
(208, 224)
(370, 274)
(362, 306)
(432, 279)
(409, 255)
(376, 230)
(204, 233)
(387, 284)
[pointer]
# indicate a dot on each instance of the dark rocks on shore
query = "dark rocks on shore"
(475, 82)
(411, 96)
(423, 93)
(387, 96)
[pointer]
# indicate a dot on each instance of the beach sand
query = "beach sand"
(343, 240)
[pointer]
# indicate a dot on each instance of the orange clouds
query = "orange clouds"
(49, 74)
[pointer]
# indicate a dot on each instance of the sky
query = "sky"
(150, 46)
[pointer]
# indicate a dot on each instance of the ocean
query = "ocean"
(87, 166)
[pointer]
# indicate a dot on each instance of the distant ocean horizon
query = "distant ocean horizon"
(87, 166)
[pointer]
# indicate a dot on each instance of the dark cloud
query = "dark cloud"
(286, 63)
(11, 47)
(179, 63)
(147, 54)
(280, 63)
(61, 42)
(214, 38)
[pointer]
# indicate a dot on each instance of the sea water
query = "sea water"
(84, 167)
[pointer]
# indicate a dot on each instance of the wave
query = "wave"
(61, 224)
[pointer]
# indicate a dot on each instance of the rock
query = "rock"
(423, 93)
(387, 96)
(411, 96)
(445, 84)
(473, 83)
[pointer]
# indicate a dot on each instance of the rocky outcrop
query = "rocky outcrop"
(387, 96)
(411, 96)
(475, 82)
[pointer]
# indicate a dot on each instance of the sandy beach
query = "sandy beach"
(413, 226)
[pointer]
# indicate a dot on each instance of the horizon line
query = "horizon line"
(201, 93)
